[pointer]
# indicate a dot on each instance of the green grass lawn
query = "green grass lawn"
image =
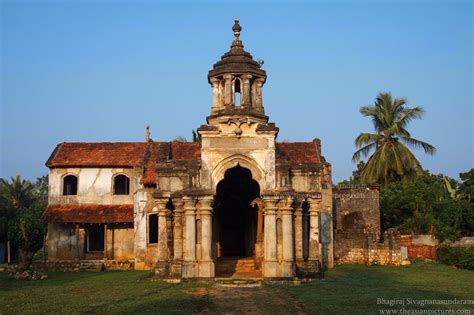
(355, 289)
(345, 289)
(89, 292)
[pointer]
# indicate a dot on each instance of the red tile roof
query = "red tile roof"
(185, 150)
(89, 213)
(125, 154)
(297, 152)
(149, 174)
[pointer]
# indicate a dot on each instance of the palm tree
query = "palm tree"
(391, 159)
(17, 193)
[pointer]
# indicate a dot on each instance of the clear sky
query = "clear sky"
(103, 70)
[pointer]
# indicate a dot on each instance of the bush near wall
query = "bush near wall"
(462, 257)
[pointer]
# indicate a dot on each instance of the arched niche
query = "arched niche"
(232, 161)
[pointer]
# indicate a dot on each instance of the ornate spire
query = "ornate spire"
(236, 42)
(236, 28)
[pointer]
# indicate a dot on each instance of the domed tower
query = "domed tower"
(237, 130)
(237, 82)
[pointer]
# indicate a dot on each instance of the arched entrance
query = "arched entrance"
(236, 218)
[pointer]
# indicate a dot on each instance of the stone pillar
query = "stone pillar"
(215, 95)
(228, 90)
(270, 263)
(163, 252)
(314, 248)
(287, 269)
(177, 237)
(206, 265)
(189, 259)
(299, 231)
(326, 228)
(246, 102)
(258, 94)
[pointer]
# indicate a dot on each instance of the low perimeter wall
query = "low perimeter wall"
(419, 246)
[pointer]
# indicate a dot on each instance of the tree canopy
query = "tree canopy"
(391, 158)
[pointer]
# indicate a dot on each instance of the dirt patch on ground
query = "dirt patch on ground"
(261, 300)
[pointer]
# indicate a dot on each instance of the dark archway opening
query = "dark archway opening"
(235, 217)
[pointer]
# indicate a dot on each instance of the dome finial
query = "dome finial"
(236, 28)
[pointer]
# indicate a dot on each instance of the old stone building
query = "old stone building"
(235, 203)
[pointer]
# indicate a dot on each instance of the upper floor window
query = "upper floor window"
(70, 185)
(121, 185)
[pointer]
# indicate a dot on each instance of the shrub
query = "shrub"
(462, 257)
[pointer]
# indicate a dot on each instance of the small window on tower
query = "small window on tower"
(70, 185)
(153, 228)
(121, 185)
(237, 92)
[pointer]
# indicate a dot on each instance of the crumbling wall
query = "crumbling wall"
(357, 235)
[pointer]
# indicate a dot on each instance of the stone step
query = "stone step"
(91, 265)
(235, 282)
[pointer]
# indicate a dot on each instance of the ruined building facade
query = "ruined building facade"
(237, 202)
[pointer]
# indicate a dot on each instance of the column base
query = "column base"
(162, 269)
(176, 268)
(287, 269)
(270, 269)
(189, 269)
(206, 269)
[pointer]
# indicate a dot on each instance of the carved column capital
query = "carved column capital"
(205, 204)
(161, 205)
(286, 205)
(214, 81)
(270, 205)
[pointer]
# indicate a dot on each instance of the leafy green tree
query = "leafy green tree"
(466, 189)
(424, 205)
(16, 193)
(391, 158)
(180, 139)
(21, 206)
(26, 232)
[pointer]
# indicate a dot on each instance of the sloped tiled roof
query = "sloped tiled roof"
(126, 154)
(88, 213)
(297, 152)
(149, 174)
(130, 154)
(185, 150)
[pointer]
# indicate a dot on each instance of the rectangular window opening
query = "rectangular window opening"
(153, 229)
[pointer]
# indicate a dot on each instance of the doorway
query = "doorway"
(236, 219)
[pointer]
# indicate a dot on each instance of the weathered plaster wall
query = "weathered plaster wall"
(251, 150)
(62, 242)
(95, 185)
(143, 204)
(120, 241)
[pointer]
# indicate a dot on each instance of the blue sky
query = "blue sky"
(103, 70)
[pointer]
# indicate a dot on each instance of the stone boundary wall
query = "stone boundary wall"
(370, 251)
(73, 265)
(419, 246)
(50, 266)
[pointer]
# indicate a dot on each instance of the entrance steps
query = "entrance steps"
(237, 267)
(91, 265)
(238, 282)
